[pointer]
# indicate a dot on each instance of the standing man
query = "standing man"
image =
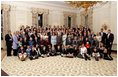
(9, 40)
(103, 35)
(109, 41)
(59, 39)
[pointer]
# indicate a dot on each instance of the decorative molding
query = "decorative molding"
(90, 17)
(73, 18)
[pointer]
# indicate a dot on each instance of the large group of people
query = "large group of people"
(76, 41)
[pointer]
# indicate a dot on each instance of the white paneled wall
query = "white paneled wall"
(20, 14)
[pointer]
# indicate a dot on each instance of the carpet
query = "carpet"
(59, 66)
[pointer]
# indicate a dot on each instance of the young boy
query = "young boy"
(53, 52)
(28, 50)
(70, 52)
(64, 51)
(59, 50)
(96, 54)
(44, 52)
(22, 54)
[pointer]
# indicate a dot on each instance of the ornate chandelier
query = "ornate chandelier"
(84, 4)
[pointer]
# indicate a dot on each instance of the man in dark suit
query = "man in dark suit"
(109, 41)
(103, 35)
(59, 39)
(9, 41)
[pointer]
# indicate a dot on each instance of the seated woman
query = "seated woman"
(64, 51)
(22, 54)
(53, 52)
(28, 50)
(96, 54)
(83, 53)
(33, 54)
(105, 55)
(38, 50)
(44, 52)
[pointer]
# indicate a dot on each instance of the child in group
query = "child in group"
(53, 52)
(59, 50)
(64, 51)
(101, 49)
(70, 52)
(44, 52)
(22, 54)
(28, 50)
(83, 53)
(75, 51)
(38, 50)
(33, 54)
(105, 55)
(96, 54)
(88, 48)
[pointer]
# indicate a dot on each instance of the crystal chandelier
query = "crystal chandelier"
(85, 4)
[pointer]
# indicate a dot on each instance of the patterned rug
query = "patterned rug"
(59, 66)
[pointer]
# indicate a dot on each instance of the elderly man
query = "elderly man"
(59, 39)
(9, 41)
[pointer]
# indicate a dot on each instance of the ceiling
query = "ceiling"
(52, 3)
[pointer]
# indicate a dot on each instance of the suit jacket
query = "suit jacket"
(8, 41)
(103, 37)
(110, 39)
(69, 42)
(94, 43)
(59, 40)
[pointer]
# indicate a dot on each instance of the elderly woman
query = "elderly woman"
(15, 44)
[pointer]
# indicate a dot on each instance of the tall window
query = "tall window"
(86, 20)
(69, 22)
(40, 20)
(1, 25)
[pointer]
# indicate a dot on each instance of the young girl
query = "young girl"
(105, 55)
(22, 54)
(96, 54)
(33, 54)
